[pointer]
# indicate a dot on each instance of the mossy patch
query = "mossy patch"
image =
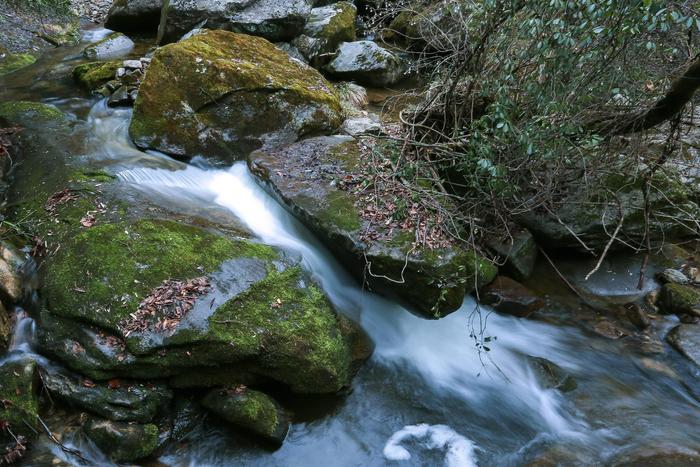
(95, 74)
(102, 274)
(19, 387)
(30, 114)
(14, 62)
(218, 93)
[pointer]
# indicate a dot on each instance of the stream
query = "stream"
(428, 395)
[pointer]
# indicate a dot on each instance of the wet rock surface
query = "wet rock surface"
(250, 410)
(122, 441)
(304, 175)
(686, 339)
(113, 46)
(510, 297)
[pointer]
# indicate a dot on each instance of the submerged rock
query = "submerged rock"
(275, 20)
(113, 46)
(223, 94)
(121, 441)
(251, 410)
(366, 63)
(119, 400)
(510, 297)
(686, 339)
(9, 63)
(19, 393)
(134, 15)
(304, 176)
(260, 319)
(552, 376)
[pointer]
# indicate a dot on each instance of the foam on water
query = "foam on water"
(460, 451)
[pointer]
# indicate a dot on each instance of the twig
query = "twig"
(610, 242)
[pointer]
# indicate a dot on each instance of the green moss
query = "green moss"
(340, 212)
(679, 299)
(14, 62)
(117, 265)
(123, 442)
(341, 27)
(251, 410)
(300, 331)
(94, 74)
(196, 83)
(18, 393)
(27, 113)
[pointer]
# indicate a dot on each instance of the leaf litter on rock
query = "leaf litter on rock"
(165, 307)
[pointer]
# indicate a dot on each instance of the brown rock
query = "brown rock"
(510, 297)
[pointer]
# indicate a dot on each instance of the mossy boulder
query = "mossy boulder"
(31, 114)
(366, 63)
(10, 63)
(591, 215)
(134, 15)
(122, 441)
(679, 299)
(223, 94)
(93, 75)
(250, 410)
(19, 396)
(304, 176)
(275, 20)
(327, 27)
(519, 253)
(118, 400)
(261, 319)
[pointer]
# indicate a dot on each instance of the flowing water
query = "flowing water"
(429, 395)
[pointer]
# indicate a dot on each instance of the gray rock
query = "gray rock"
(519, 253)
(327, 27)
(120, 98)
(674, 276)
(113, 46)
(551, 376)
(124, 401)
(686, 339)
(370, 125)
(276, 20)
(510, 297)
(292, 51)
(133, 64)
(134, 15)
(366, 63)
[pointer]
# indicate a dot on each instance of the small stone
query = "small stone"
(133, 64)
(673, 276)
(609, 330)
(637, 316)
(120, 72)
(552, 376)
(362, 126)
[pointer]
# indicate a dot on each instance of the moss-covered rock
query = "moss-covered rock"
(592, 214)
(679, 299)
(95, 74)
(120, 400)
(223, 94)
(12, 62)
(31, 114)
(19, 396)
(327, 27)
(262, 316)
(121, 441)
(275, 20)
(432, 282)
(113, 46)
(251, 410)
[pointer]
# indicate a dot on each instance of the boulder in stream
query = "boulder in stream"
(93, 75)
(367, 63)
(305, 177)
(134, 15)
(250, 314)
(251, 410)
(510, 297)
(222, 94)
(113, 46)
(275, 20)
(328, 26)
(679, 299)
(122, 441)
